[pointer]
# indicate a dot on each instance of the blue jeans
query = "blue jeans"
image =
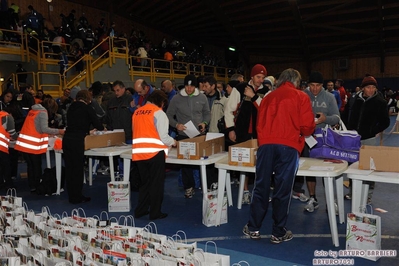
(283, 162)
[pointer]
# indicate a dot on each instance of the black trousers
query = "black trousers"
(5, 171)
(13, 161)
(151, 190)
(73, 151)
(34, 163)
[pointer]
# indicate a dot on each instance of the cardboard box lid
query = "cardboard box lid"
(243, 153)
(108, 138)
(380, 158)
(199, 145)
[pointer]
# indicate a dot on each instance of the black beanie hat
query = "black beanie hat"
(190, 80)
(316, 77)
(233, 83)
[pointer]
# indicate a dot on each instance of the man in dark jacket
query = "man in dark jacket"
(118, 114)
(244, 129)
(368, 114)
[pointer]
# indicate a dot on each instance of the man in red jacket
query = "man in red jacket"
(285, 118)
(339, 86)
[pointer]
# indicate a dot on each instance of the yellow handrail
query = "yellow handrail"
(31, 73)
(4, 83)
(12, 42)
(119, 49)
(28, 47)
(54, 81)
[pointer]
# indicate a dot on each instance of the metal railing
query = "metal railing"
(13, 43)
(31, 48)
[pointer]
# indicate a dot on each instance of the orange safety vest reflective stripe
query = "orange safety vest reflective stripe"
(146, 141)
(29, 140)
(4, 135)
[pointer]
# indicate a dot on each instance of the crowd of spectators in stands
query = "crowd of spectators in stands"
(82, 34)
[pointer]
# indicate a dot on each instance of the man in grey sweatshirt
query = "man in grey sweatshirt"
(188, 104)
(326, 112)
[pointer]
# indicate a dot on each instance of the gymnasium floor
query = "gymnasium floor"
(311, 230)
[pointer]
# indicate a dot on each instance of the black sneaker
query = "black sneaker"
(287, 237)
(253, 235)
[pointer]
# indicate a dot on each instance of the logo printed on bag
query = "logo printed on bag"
(343, 154)
(362, 238)
(354, 228)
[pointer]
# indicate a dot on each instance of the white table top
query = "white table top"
(109, 151)
(370, 175)
(172, 158)
(307, 167)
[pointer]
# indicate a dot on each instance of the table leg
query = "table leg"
(58, 168)
(228, 189)
(365, 196)
(90, 171)
(329, 191)
(204, 182)
(221, 184)
(356, 194)
(126, 169)
(111, 168)
(339, 186)
(48, 161)
(241, 190)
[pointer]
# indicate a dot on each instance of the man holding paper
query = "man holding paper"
(188, 105)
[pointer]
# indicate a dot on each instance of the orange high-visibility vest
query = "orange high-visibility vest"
(4, 135)
(146, 141)
(29, 140)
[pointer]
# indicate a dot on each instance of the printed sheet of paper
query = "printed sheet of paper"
(311, 141)
(191, 130)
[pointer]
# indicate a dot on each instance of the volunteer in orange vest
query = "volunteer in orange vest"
(150, 147)
(33, 139)
(7, 132)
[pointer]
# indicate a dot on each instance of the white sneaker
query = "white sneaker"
(246, 198)
(189, 193)
(311, 205)
(300, 196)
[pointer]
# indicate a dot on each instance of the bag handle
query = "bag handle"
(201, 252)
(176, 237)
(239, 263)
(123, 221)
(56, 216)
(64, 214)
(46, 210)
(363, 209)
(150, 226)
(341, 124)
(211, 242)
(131, 219)
(25, 205)
(101, 215)
(10, 192)
(181, 238)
